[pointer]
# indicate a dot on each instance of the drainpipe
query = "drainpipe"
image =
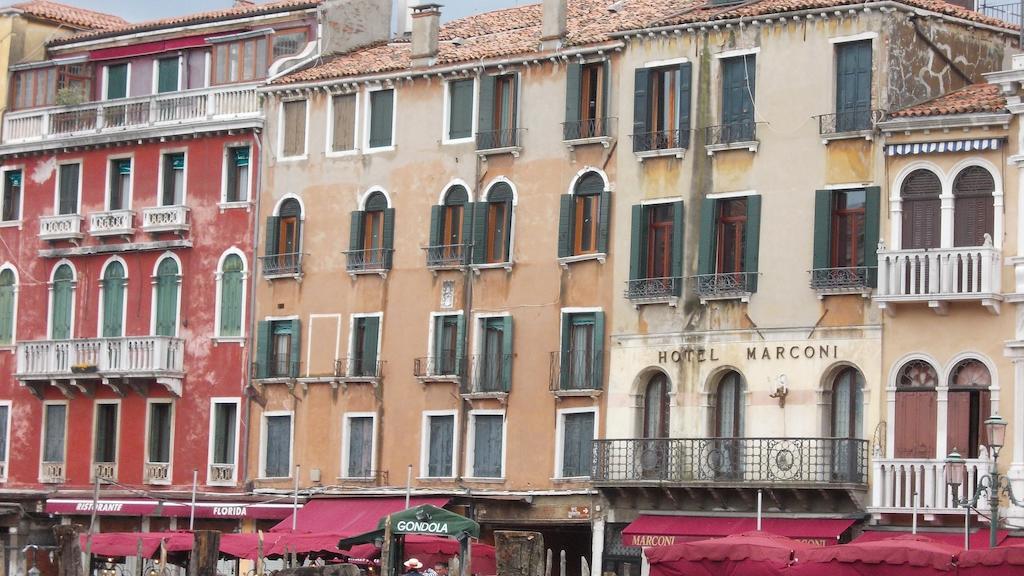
(243, 458)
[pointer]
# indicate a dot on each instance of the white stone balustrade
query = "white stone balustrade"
(112, 223)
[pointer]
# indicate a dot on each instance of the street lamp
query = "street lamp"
(992, 484)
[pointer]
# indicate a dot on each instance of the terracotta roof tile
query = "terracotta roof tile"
(240, 11)
(971, 99)
(70, 15)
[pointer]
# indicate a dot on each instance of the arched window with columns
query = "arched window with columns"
(973, 206)
(922, 222)
(969, 404)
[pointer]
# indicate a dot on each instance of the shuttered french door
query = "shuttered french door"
(853, 86)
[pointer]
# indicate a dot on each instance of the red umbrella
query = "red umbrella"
(1002, 561)
(247, 545)
(904, 555)
(746, 554)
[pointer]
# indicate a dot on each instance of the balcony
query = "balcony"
(159, 357)
(157, 473)
(221, 475)
(281, 265)
(492, 376)
(849, 124)
(358, 369)
(848, 280)
(104, 471)
(112, 223)
(733, 136)
(661, 143)
(503, 141)
(576, 373)
(165, 219)
(654, 290)
(448, 256)
(726, 286)
(939, 276)
(442, 368)
(51, 473)
(588, 131)
(898, 485)
(188, 107)
(62, 227)
(371, 261)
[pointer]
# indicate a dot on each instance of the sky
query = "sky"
(138, 10)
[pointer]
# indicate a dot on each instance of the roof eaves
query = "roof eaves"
(942, 121)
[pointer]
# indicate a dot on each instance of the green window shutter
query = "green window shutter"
(564, 356)
(389, 236)
(685, 88)
(706, 252)
(231, 286)
(460, 344)
(113, 301)
(636, 243)
(117, 81)
(606, 82)
(485, 109)
(262, 347)
(604, 222)
(167, 75)
(438, 339)
(296, 351)
(7, 307)
(565, 225)
(370, 336)
(572, 91)
(598, 350)
(355, 231)
(751, 238)
(872, 221)
(381, 112)
(468, 214)
(678, 223)
(167, 298)
(460, 109)
(435, 225)
(480, 233)
(640, 127)
(822, 229)
(61, 315)
(273, 225)
(506, 359)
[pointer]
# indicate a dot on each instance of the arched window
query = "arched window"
(113, 300)
(728, 406)
(916, 410)
(583, 220)
(656, 410)
(495, 239)
(284, 240)
(970, 403)
(8, 306)
(973, 206)
(231, 290)
(921, 207)
(450, 226)
(847, 420)
(62, 293)
(372, 236)
(167, 280)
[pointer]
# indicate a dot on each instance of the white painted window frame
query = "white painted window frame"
(425, 443)
(470, 473)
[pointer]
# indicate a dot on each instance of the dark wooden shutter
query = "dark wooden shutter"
(389, 236)
(751, 239)
(480, 232)
(435, 225)
(270, 242)
(915, 424)
(872, 223)
(278, 456)
(921, 210)
(638, 246)
(822, 229)
(974, 207)
(685, 88)
(606, 82)
(566, 228)
(853, 85)
(572, 94)
(598, 368)
(604, 221)
(381, 116)
(958, 422)
(343, 133)
(460, 344)
(706, 251)
(565, 357)
(468, 214)
(640, 115)
(295, 354)
(117, 81)
(262, 348)
(460, 112)
(485, 108)
(678, 223)
(355, 230)
(507, 351)
(294, 128)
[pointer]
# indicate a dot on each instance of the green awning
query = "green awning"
(431, 520)
(364, 538)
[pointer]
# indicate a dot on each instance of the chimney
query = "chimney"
(552, 31)
(426, 20)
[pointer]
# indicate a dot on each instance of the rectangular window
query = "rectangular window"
(225, 418)
(55, 422)
(277, 455)
(579, 351)
(35, 88)
(117, 81)
(237, 170)
(167, 70)
(360, 447)
(12, 196)
(661, 107)
(577, 440)
(381, 119)
(239, 61)
(120, 183)
(277, 348)
(731, 235)
(493, 350)
(727, 259)
(173, 193)
(287, 43)
(5, 418)
(587, 213)
(505, 94)
(281, 353)
(663, 104)
(499, 225)
(440, 445)
(848, 250)
(343, 131)
(460, 109)
(67, 188)
(105, 442)
(488, 439)
(446, 345)
(737, 99)
(656, 251)
(293, 141)
(853, 86)
(159, 446)
(365, 336)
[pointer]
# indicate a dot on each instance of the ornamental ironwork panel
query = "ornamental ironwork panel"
(369, 260)
(643, 289)
(588, 128)
(849, 121)
(854, 279)
(721, 134)
(495, 139)
(574, 370)
(448, 255)
(444, 365)
(358, 367)
(725, 284)
(492, 373)
(661, 140)
(282, 264)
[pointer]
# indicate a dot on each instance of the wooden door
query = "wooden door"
(915, 424)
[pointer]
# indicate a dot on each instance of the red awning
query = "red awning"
(651, 530)
(751, 553)
(348, 516)
(978, 538)
(1005, 560)
(256, 510)
(148, 48)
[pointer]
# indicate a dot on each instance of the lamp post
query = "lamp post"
(992, 484)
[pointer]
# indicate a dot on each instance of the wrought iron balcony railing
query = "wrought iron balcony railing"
(448, 255)
(724, 134)
(359, 367)
(492, 374)
(586, 129)
(370, 260)
(575, 370)
(838, 280)
(499, 139)
(281, 264)
(661, 140)
(444, 365)
(849, 121)
(654, 289)
(791, 461)
(725, 285)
